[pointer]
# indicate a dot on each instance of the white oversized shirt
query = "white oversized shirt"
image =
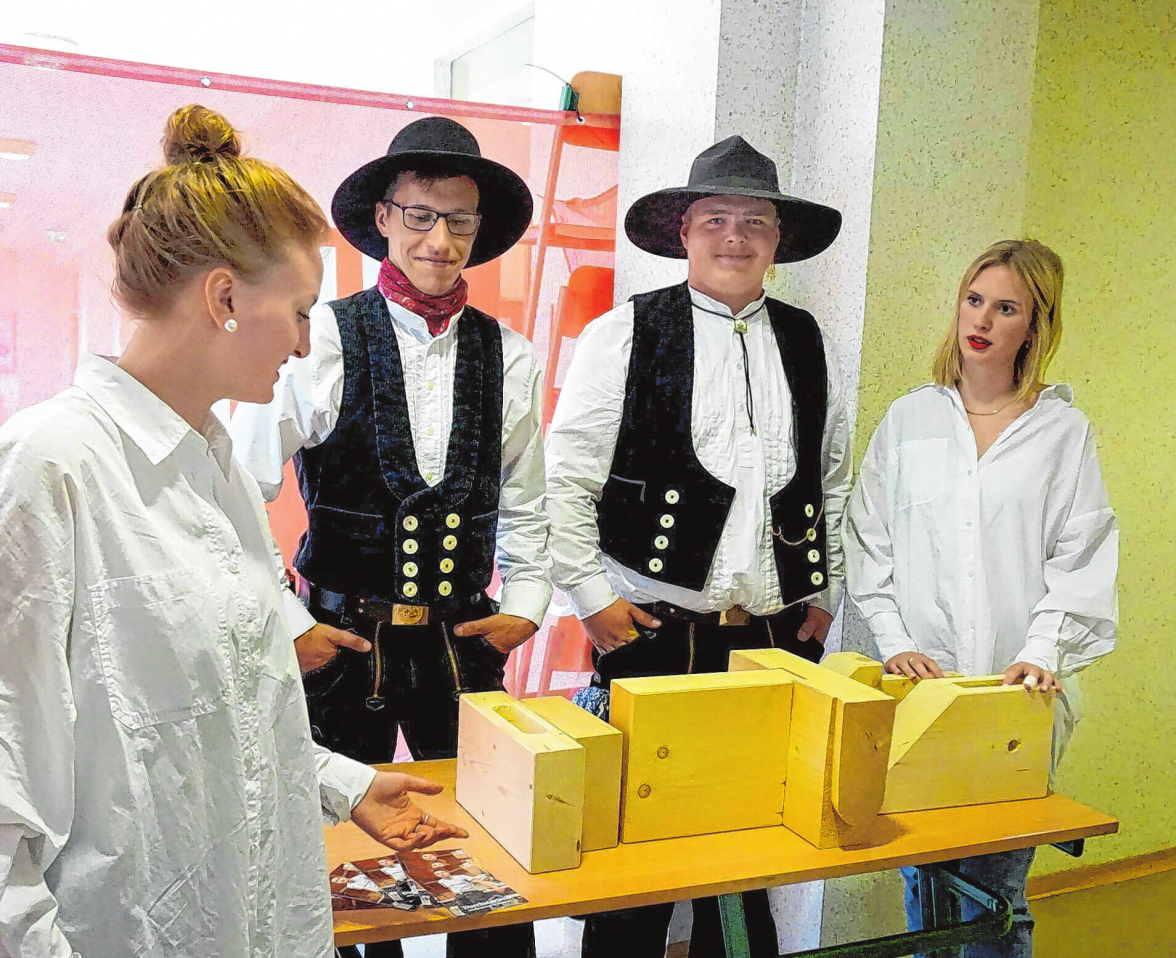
(583, 437)
(983, 563)
(305, 410)
(159, 792)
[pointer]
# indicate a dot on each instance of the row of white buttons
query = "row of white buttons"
(453, 520)
(410, 568)
(444, 587)
(411, 545)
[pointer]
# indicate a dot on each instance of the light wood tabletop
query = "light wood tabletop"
(681, 868)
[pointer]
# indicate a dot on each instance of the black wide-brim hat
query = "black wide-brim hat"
(430, 145)
(732, 167)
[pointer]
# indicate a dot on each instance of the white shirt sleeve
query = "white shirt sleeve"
(580, 446)
(523, 559)
(869, 557)
(1074, 624)
(304, 410)
(343, 782)
(37, 711)
(836, 480)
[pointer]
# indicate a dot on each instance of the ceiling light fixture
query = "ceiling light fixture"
(11, 149)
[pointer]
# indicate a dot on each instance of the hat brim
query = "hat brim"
(654, 222)
(503, 200)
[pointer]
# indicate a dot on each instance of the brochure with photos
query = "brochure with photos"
(453, 880)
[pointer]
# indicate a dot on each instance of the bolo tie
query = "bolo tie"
(740, 326)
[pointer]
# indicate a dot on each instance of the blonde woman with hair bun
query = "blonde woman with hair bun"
(979, 537)
(159, 792)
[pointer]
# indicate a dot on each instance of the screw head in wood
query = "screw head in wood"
(643, 791)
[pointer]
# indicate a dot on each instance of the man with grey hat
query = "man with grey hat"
(414, 425)
(697, 467)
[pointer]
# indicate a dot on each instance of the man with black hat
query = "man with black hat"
(414, 425)
(697, 467)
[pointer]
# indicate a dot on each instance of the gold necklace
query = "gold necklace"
(994, 412)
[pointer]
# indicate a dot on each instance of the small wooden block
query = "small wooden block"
(602, 745)
(838, 750)
(703, 753)
(598, 92)
(522, 779)
(961, 741)
(854, 665)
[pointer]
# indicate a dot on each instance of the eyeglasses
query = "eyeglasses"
(422, 219)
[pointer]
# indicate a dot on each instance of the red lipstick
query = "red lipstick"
(979, 342)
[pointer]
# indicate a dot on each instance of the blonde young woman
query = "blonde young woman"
(159, 793)
(979, 538)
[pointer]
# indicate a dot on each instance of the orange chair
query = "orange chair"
(589, 293)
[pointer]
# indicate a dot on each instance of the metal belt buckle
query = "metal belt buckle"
(410, 614)
(736, 615)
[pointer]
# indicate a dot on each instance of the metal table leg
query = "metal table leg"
(938, 886)
(734, 926)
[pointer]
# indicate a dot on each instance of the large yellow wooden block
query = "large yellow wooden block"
(837, 753)
(960, 741)
(702, 753)
(522, 779)
(602, 746)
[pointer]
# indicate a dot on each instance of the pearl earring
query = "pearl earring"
(230, 325)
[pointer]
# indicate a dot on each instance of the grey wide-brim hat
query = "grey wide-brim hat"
(435, 142)
(732, 167)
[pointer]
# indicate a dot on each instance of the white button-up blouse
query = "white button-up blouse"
(983, 563)
(159, 792)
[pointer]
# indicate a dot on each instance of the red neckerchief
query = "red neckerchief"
(436, 311)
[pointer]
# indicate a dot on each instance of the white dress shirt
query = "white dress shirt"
(159, 792)
(983, 563)
(583, 437)
(305, 410)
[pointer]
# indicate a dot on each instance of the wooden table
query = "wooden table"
(682, 868)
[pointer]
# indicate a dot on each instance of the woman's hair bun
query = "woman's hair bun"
(195, 134)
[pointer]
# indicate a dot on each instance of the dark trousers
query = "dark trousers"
(678, 647)
(411, 680)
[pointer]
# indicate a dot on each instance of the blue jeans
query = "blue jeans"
(1004, 873)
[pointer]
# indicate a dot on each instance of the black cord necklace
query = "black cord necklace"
(740, 326)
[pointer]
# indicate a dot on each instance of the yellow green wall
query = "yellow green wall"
(1055, 120)
(1102, 191)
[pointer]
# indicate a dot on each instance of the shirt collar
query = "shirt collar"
(703, 301)
(1058, 392)
(414, 325)
(149, 422)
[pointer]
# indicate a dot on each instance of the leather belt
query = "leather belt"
(734, 616)
(367, 607)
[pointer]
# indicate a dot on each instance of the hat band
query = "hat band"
(740, 182)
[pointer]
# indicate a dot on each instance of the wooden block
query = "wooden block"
(602, 746)
(854, 665)
(702, 753)
(598, 92)
(837, 755)
(961, 741)
(522, 779)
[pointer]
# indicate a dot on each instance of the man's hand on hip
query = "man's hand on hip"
(317, 646)
(815, 626)
(503, 632)
(613, 626)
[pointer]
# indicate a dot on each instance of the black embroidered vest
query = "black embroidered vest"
(376, 528)
(660, 512)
